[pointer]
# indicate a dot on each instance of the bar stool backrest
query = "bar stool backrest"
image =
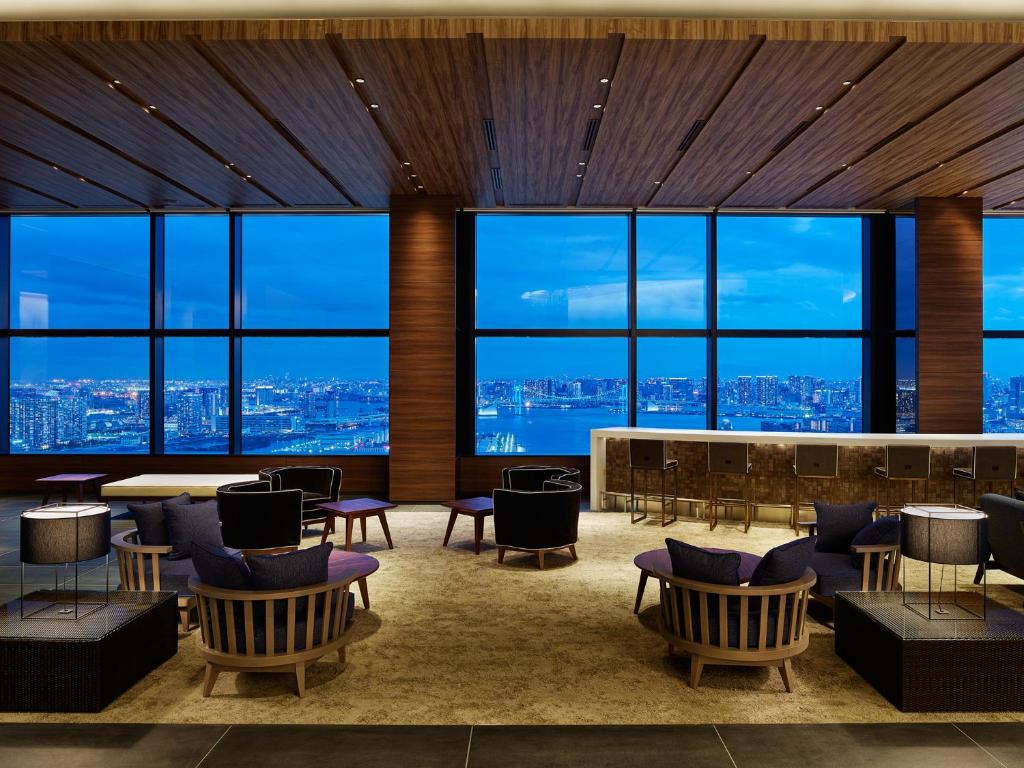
(995, 462)
(908, 462)
(647, 454)
(816, 460)
(728, 458)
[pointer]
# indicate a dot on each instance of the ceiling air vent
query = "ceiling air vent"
(490, 136)
(691, 135)
(788, 137)
(590, 135)
(496, 177)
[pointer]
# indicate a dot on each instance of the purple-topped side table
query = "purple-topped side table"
(658, 560)
(346, 565)
(61, 484)
(353, 509)
(478, 507)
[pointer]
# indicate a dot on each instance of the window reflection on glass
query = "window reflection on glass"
(79, 272)
(544, 395)
(79, 395)
(196, 397)
(315, 271)
(1003, 266)
(789, 272)
(1003, 409)
(790, 385)
(906, 384)
(671, 383)
(671, 267)
(196, 258)
(551, 271)
(314, 395)
(906, 273)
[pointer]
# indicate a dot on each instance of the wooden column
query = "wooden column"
(949, 321)
(422, 464)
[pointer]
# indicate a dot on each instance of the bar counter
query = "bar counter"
(771, 454)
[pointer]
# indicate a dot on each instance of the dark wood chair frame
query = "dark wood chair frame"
(132, 560)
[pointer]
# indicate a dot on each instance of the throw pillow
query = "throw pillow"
(1019, 493)
(291, 569)
(785, 563)
(149, 519)
(839, 523)
(218, 568)
(696, 564)
(189, 524)
(885, 530)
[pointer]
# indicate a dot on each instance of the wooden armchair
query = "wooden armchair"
(744, 625)
(142, 570)
(271, 631)
(868, 568)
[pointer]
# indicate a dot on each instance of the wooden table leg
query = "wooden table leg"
(46, 494)
(79, 492)
(451, 525)
(328, 528)
(384, 525)
(362, 526)
(348, 533)
(364, 592)
(478, 531)
(640, 591)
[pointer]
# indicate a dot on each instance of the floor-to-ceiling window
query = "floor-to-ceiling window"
(199, 333)
(905, 256)
(1003, 268)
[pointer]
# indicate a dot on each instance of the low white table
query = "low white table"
(165, 486)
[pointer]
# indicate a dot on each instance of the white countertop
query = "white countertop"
(803, 438)
(166, 485)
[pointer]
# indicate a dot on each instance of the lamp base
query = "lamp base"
(61, 611)
(951, 611)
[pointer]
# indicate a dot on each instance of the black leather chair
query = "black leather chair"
(538, 521)
(1005, 526)
(253, 517)
(318, 485)
(531, 477)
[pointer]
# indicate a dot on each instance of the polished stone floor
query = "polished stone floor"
(919, 745)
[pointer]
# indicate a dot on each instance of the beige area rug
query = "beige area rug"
(453, 638)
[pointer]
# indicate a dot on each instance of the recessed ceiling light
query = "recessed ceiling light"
(81, 179)
(750, 173)
(146, 110)
(845, 165)
(55, 167)
(819, 109)
(847, 82)
(406, 163)
(375, 106)
(419, 186)
(153, 107)
(579, 175)
(360, 80)
(657, 183)
(116, 81)
(248, 175)
(581, 163)
(412, 175)
(604, 79)
(597, 106)
(111, 85)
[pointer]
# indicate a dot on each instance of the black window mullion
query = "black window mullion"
(631, 281)
(235, 339)
(5, 341)
(711, 307)
(156, 341)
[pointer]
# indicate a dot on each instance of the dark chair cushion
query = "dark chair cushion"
(785, 563)
(836, 573)
(189, 524)
(1019, 494)
(292, 569)
(149, 519)
(885, 530)
(839, 523)
(174, 576)
(696, 564)
(220, 568)
(733, 620)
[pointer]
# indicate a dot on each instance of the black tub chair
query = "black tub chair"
(531, 477)
(318, 485)
(254, 518)
(538, 521)
(1005, 526)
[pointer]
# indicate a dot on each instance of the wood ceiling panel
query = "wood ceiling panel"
(660, 88)
(983, 111)
(28, 129)
(1000, 192)
(914, 80)
(543, 94)
(15, 198)
(42, 177)
(433, 101)
(303, 85)
(777, 92)
(174, 77)
(42, 74)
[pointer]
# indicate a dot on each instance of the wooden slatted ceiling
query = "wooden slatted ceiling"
(303, 85)
(643, 125)
(914, 80)
(983, 111)
(30, 130)
(176, 79)
(41, 73)
(15, 197)
(1006, 189)
(543, 93)
(780, 88)
(433, 101)
(43, 178)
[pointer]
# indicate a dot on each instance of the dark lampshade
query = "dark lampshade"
(944, 535)
(65, 533)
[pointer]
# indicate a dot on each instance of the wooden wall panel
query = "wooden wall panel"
(949, 317)
(361, 475)
(906, 86)
(422, 463)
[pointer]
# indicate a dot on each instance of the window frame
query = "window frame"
(986, 334)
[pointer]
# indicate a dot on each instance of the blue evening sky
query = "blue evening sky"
(535, 358)
(37, 360)
(196, 271)
(828, 358)
(1003, 248)
(1004, 357)
(341, 358)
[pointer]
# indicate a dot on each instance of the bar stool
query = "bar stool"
(820, 462)
(991, 464)
(651, 456)
(905, 463)
(729, 460)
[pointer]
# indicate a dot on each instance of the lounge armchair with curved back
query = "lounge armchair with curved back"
(145, 568)
(531, 477)
(538, 520)
(1005, 532)
(255, 518)
(318, 485)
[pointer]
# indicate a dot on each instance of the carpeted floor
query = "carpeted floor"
(453, 638)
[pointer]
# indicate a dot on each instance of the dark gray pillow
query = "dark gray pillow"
(149, 519)
(190, 524)
(219, 568)
(696, 564)
(292, 569)
(885, 530)
(1019, 494)
(783, 564)
(839, 523)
